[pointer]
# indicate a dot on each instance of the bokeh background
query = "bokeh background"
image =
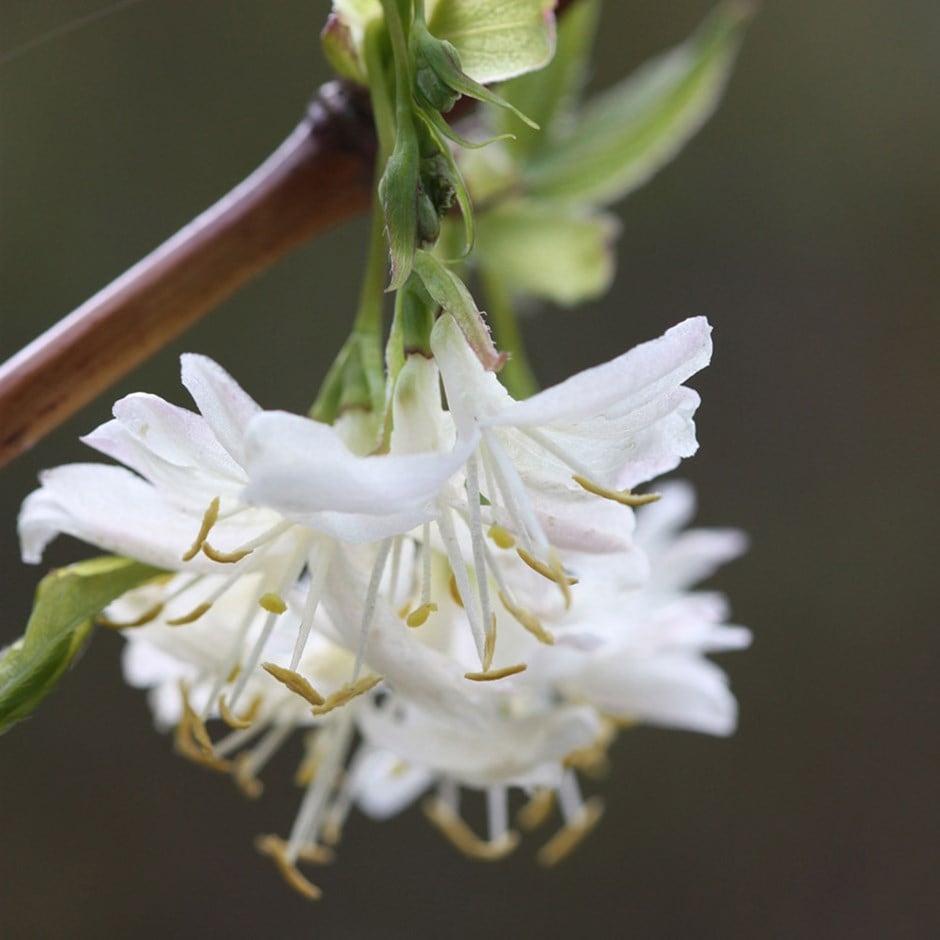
(804, 221)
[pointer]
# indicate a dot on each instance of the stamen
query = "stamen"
(426, 564)
(494, 674)
(454, 592)
(479, 561)
(536, 812)
(592, 760)
(554, 572)
(224, 558)
(249, 764)
(295, 682)
(489, 646)
(570, 836)
(243, 721)
(209, 519)
(502, 537)
(624, 497)
(419, 616)
(307, 824)
(528, 620)
(146, 617)
(191, 617)
(368, 609)
(462, 837)
(348, 692)
(277, 850)
(497, 811)
(273, 603)
(516, 499)
(446, 527)
(192, 739)
(307, 769)
(319, 567)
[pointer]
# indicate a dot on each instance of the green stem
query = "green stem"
(516, 374)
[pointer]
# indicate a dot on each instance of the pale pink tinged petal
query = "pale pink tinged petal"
(384, 784)
(696, 555)
(629, 381)
(226, 407)
(174, 434)
(658, 523)
(108, 507)
(673, 691)
(301, 466)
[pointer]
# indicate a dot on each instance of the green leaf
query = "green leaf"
(549, 250)
(630, 131)
(549, 95)
(66, 602)
(495, 39)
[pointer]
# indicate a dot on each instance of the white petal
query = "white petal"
(226, 407)
(384, 785)
(109, 507)
(627, 382)
(672, 690)
(300, 466)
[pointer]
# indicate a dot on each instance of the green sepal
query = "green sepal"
(630, 131)
(554, 251)
(66, 602)
(443, 79)
(451, 293)
(398, 192)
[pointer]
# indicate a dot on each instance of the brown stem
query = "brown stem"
(321, 175)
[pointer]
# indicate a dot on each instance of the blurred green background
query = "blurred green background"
(804, 221)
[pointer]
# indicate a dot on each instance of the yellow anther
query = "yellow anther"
(316, 854)
(554, 572)
(295, 682)
(243, 773)
(418, 617)
(239, 721)
(403, 610)
(528, 620)
(273, 603)
(276, 849)
(146, 617)
(569, 837)
(192, 739)
(348, 692)
(224, 558)
(537, 810)
(494, 674)
(624, 497)
(489, 644)
(502, 537)
(332, 832)
(234, 673)
(307, 769)
(193, 615)
(592, 760)
(463, 838)
(209, 519)
(454, 590)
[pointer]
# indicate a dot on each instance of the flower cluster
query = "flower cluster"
(480, 606)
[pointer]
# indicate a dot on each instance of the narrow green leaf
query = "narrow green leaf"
(548, 250)
(66, 602)
(630, 131)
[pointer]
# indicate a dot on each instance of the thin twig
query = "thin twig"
(321, 175)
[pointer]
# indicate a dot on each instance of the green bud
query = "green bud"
(435, 60)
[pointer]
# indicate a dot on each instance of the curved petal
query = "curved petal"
(627, 382)
(226, 407)
(300, 466)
